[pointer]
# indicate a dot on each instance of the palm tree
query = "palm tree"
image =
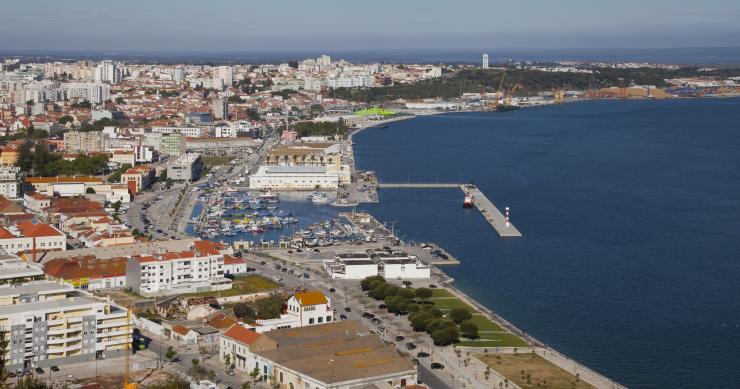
(321, 160)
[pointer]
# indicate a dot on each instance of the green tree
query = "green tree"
(30, 382)
(120, 100)
(460, 314)
(66, 119)
(3, 347)
(39, 133)
(367, 282)
(270, 307)
(235, 99)
(423, 294)
(90, 190)
(445, 336)
(469, 329)
(25, 157)
(170, 353)
(245, 312)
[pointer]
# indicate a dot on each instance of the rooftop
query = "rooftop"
(295, 169)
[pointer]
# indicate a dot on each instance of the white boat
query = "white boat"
(319, 198)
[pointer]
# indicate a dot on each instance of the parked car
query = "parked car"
(382, 306)
(342, 317)
(54, 368)
(437, 366)
(400, 338)
(368, 315)
(410, 346)
(332, 290)
(432, 286)
(422, 354)
(39, 370)
(348, 309)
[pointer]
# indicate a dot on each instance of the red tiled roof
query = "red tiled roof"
(241, 334)
(30, 229)
(182, 330)
(229, 260)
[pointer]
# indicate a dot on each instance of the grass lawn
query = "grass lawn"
(242, 285)
(490, 333)
(441, 293)
(537, 372)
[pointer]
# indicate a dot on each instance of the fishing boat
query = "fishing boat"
(319, 198)
(468, 201)
(269, 196)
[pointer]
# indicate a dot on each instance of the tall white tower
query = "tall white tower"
(485, 61)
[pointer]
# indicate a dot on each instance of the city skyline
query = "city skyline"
(330, 25)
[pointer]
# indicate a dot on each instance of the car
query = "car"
(432, 286)
(291, 271)
(299, 250)
(277, 267)
(368, 315)
(263, 263)
(290, 251)
(410, 346)
(382, 306)
(342, 317)
(39, 370)
(415, 362)
(284, 270)
(316, 250)
(54, 368)
(437, 366)
(400, 338)
(422, 354)
(332, 290)
(347, 309)
(375, 320)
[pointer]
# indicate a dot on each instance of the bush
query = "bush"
(366, 283)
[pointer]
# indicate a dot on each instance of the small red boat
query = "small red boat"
(468, 202)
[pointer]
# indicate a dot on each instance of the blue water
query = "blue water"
(630, 210)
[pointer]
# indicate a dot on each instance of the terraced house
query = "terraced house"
(50, 323)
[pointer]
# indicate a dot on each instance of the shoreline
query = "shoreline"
(541, 348)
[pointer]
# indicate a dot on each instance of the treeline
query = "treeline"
(41, 162)
(321, 128)
(529, 82)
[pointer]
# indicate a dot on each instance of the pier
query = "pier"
(495, 218)
(491, 213)
(412, 185)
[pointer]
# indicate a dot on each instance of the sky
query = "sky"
(292, 25)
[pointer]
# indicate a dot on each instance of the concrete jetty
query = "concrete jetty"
(491, 213)
(417, 185)
(495, 218)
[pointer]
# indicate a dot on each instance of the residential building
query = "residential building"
(142, 177)
(88, 272)
(304, 309)
(336, 355)
(195, 132)
(172, 144)
(14, 270)
(485, 61)
(10, 182)
(123, 157)
(49, 323)
(10, 153)
(194, 270)
(109, 72)
(186, 167)
(84, 142)
(234, 265)
(30, 236)
(220, 109)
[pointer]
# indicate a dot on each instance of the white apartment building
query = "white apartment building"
(24, 236)
(186, 167)
(195, 132)
(10, 182)
(49, 323)
(176, 272)
(109, 72)
(294, 177)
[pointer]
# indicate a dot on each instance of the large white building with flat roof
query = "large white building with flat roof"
(294, 177)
